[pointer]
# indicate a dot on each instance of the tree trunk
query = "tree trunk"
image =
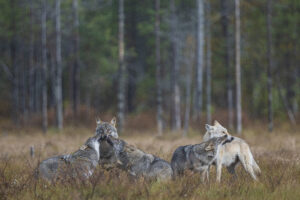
(190, 55)
(296, 74)
(238, 66)
(200, 58)
(270, 63)
(122, 68)
(175, 90)
(44, 66)
(225, 27)
(208, 64)
(133, 59)
(76, 67)
(58, 79)
(23, 93)
(31, 62)
(15, 83)
(159, 115)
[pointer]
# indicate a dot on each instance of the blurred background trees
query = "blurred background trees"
(62, 60)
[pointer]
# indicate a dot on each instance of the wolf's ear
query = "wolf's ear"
(208, 127)
(98, 121)
(210, 147)
(216, 123)
(113, 121)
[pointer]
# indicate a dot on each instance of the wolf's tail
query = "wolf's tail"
(255, 166)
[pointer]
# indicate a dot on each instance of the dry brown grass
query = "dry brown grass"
(277, 155)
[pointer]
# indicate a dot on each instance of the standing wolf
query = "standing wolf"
(79, 164)
(129, 158)
(232, 152)
(197, 157)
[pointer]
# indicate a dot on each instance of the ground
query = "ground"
(276, 153)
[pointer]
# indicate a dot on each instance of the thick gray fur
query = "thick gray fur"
(79, 164)
(196, 157)
(118, 153)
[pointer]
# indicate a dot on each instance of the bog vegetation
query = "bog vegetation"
(164, 69)
(277, 155)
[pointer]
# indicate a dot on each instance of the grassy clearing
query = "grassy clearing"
(277, 155)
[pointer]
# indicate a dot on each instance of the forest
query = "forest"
(164, 69)
(179, 57)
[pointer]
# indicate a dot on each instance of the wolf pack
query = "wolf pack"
(107, 150)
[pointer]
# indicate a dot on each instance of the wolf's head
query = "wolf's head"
(214, 142)
(93, 143)
(215, 131)
(107, 128)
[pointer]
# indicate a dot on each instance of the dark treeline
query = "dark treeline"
(189, 59)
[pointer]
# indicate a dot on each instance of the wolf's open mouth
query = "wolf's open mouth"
(228, 141)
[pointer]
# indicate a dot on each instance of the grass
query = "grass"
(277, 155)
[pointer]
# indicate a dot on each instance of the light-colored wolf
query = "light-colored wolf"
(231, 153)
(80, 164)
(129, 158)
(197, 157)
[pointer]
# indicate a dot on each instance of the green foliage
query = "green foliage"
(98, 30)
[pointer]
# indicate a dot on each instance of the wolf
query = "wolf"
(104, 129)
(197, 157)
(107, 128)
(231, 153)
(80, 164)
(133, 160)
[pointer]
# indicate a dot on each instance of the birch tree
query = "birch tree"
(159, 114)
(208, 64)
(31, 61)
(270, 64)
(199, 58)
(44, 66)
(76, 67)
(175, 89)
(190, 49)
(58, 78)
(122, 68)
(238, 66)
(15, 70)
(227, 49)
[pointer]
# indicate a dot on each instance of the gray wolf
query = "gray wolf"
(197, 157)
(129, 158)
(231, 153)
(80, 164)
(107, 128)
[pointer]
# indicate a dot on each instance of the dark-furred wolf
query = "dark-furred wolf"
(129, 158)
(80, 164)
(197, 157)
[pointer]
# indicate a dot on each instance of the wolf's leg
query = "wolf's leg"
(231, 170)
(219, 170)
(207, 173)
(203, 175)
